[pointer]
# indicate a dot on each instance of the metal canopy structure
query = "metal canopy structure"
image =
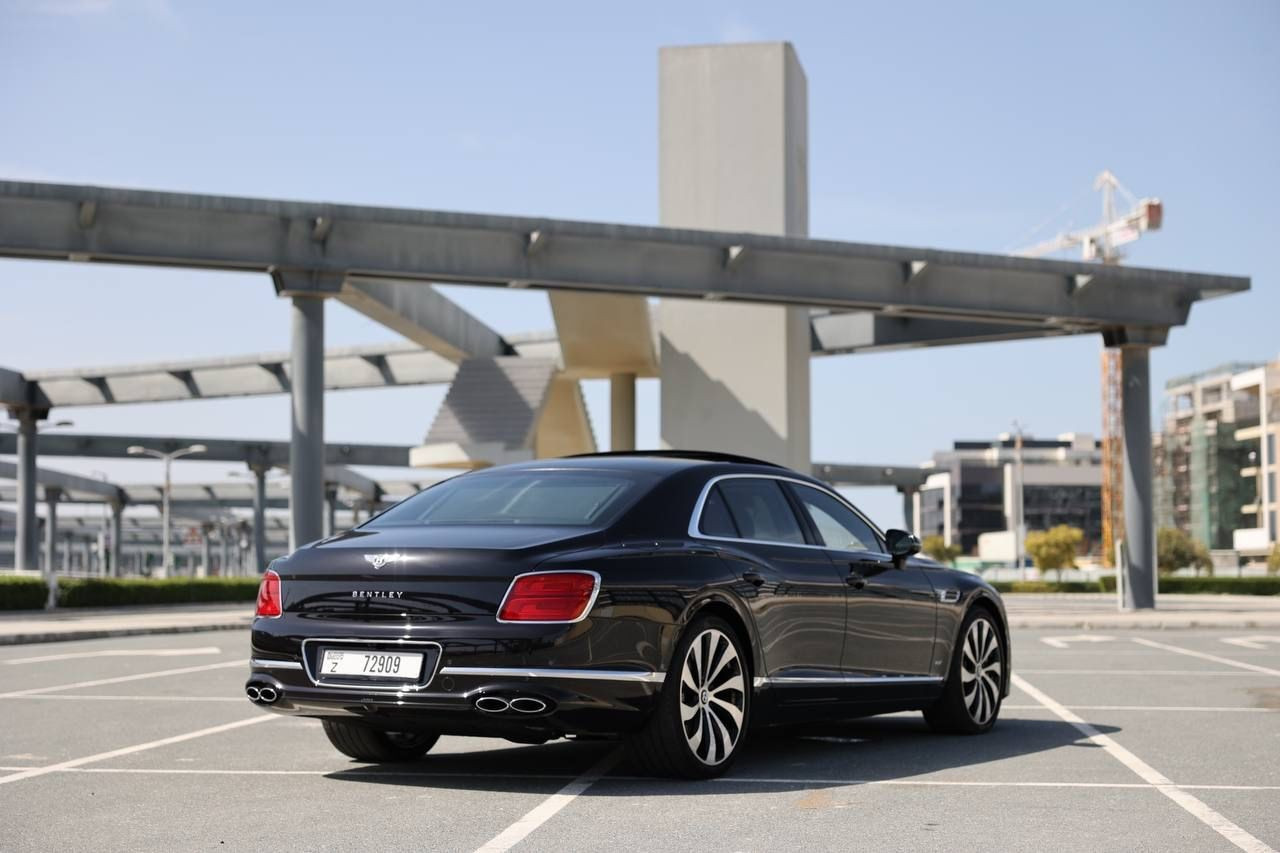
(319, 245)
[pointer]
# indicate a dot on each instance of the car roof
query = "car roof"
(656, 461)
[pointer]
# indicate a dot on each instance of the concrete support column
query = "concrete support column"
(909, 503)
(206, 549)
(733, 155)
(51, 497)
(330, 510)
(223, 554)
(622, 411)
(26, 553)
(117, 533)
(259, 519)
(306, 450)
(1139, 516)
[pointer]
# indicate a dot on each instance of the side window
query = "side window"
(761, 510)
(715, 520)
(837, 525)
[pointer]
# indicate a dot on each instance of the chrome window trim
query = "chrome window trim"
(265, 663)
(852, 679)
(358, 641)
(695, 533)
(539, 672)
(591, 602)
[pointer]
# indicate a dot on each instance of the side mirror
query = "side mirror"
(902, 544)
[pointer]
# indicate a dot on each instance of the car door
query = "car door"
(797, 597)
(892, 609)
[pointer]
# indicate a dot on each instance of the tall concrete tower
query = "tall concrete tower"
(733, 156)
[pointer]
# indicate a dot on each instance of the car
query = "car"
(676, 600)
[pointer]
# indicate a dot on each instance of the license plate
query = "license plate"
(401, 666)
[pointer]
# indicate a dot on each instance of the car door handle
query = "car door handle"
(753, 578)
(855, 580)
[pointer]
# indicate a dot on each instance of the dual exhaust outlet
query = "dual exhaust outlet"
(263, 694)
(520, 705)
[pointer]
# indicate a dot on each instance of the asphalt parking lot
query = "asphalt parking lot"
(1123, 740)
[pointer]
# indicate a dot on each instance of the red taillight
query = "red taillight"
(549, 597)
(269, 595)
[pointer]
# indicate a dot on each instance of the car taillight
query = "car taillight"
(549, 597)
(269, 602)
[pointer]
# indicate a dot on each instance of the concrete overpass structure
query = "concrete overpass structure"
(746, 297)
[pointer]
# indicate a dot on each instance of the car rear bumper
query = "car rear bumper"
(524, 682)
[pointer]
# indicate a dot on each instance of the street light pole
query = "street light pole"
(166, 559)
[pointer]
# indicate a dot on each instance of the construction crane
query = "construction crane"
(1102, 243)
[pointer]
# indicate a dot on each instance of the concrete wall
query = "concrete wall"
(733, 155)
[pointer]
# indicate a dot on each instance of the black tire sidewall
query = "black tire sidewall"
(669, 706)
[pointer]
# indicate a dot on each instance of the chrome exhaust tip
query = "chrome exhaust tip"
(492, 704)
(268, 695)
(253, 693)
(528, 705)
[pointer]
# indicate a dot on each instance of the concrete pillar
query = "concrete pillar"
(330, 510)
(51, 497)
(259, 519)
(117, 533)
(206, 550)
(26, 553)
(223, 556)
(909, 503)
(1139, 517)
(733, 151)
(622, 411)
(306, 449)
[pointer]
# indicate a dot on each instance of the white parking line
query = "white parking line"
(1179, 650)
(109, 698)
(130, 750)
(548, 808)
(119, 653)
(1125, 672)
(1215, 709)
(1190, 803)
(142, 676)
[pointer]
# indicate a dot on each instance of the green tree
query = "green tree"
(1273, 561)
(1175, 550)
(1055, 548)
(935, 546)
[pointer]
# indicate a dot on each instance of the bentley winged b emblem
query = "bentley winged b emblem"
(380, 560)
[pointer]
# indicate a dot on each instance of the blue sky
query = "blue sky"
(935, 124)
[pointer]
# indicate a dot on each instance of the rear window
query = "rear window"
(552, 498)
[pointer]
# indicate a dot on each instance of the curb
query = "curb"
(100, 633)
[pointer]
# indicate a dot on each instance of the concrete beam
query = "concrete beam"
(65, 482)
(264, 453)
(425, 316)
(897, 476)
(197, 231)
(863, 331)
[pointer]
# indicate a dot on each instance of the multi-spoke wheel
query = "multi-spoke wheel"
(373, 745)
(713, 696)
(970, 700)
(703, 711)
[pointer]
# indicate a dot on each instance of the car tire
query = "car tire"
(376, 746)
(970, 701)
(703, 711)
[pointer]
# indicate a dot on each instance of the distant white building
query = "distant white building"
(971, 490)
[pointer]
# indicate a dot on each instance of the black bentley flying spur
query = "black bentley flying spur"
(673, 599)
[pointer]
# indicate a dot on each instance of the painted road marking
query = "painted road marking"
(1122, 672)
(142, 676)
(548, 808)
(536, 777)
(1063, 642)
(130, 750)
(1258, 642)
(120, 653)
(1190, 803)
(1215, 709)
(1252, 667)
(110, 698)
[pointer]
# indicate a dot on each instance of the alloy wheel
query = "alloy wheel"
(980, 672)
(712, 696)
